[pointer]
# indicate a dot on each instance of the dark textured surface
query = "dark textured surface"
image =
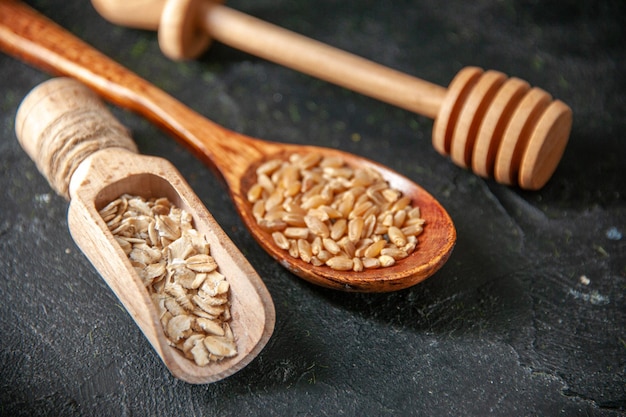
(507, 327)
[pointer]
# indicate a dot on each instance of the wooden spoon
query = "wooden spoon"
(88, 157)
(34, 38)
(498, 127)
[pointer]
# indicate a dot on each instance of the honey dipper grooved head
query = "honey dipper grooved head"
(502, 128)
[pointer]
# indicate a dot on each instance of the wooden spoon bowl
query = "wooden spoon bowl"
(434, 248)
(30, 36)
(88, 157)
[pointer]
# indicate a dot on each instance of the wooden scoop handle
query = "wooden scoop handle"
(59, 127)
(498, 127)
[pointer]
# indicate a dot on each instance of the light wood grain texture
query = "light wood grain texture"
(525, 150)
(32, 37)
(68, 114)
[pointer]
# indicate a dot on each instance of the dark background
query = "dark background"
(507, 327)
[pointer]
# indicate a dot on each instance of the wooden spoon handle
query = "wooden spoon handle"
(33, 38)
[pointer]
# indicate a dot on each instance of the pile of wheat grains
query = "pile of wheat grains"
(325, 212)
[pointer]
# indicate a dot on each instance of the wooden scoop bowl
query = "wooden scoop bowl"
(88, 157)
(498, 127)
(36, 39)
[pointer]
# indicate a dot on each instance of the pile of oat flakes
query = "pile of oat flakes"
(174, 262)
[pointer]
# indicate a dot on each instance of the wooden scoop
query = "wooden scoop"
(88, 157)
(498, 127)
(32, 37)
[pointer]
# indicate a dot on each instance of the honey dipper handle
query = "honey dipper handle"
(187, 26)
(59, 126)
(322, 61)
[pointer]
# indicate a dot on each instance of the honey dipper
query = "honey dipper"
(88, 157)
(499, 127)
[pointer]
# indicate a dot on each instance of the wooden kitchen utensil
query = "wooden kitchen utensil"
(88, 157)
(34, 38)
(498, 127)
